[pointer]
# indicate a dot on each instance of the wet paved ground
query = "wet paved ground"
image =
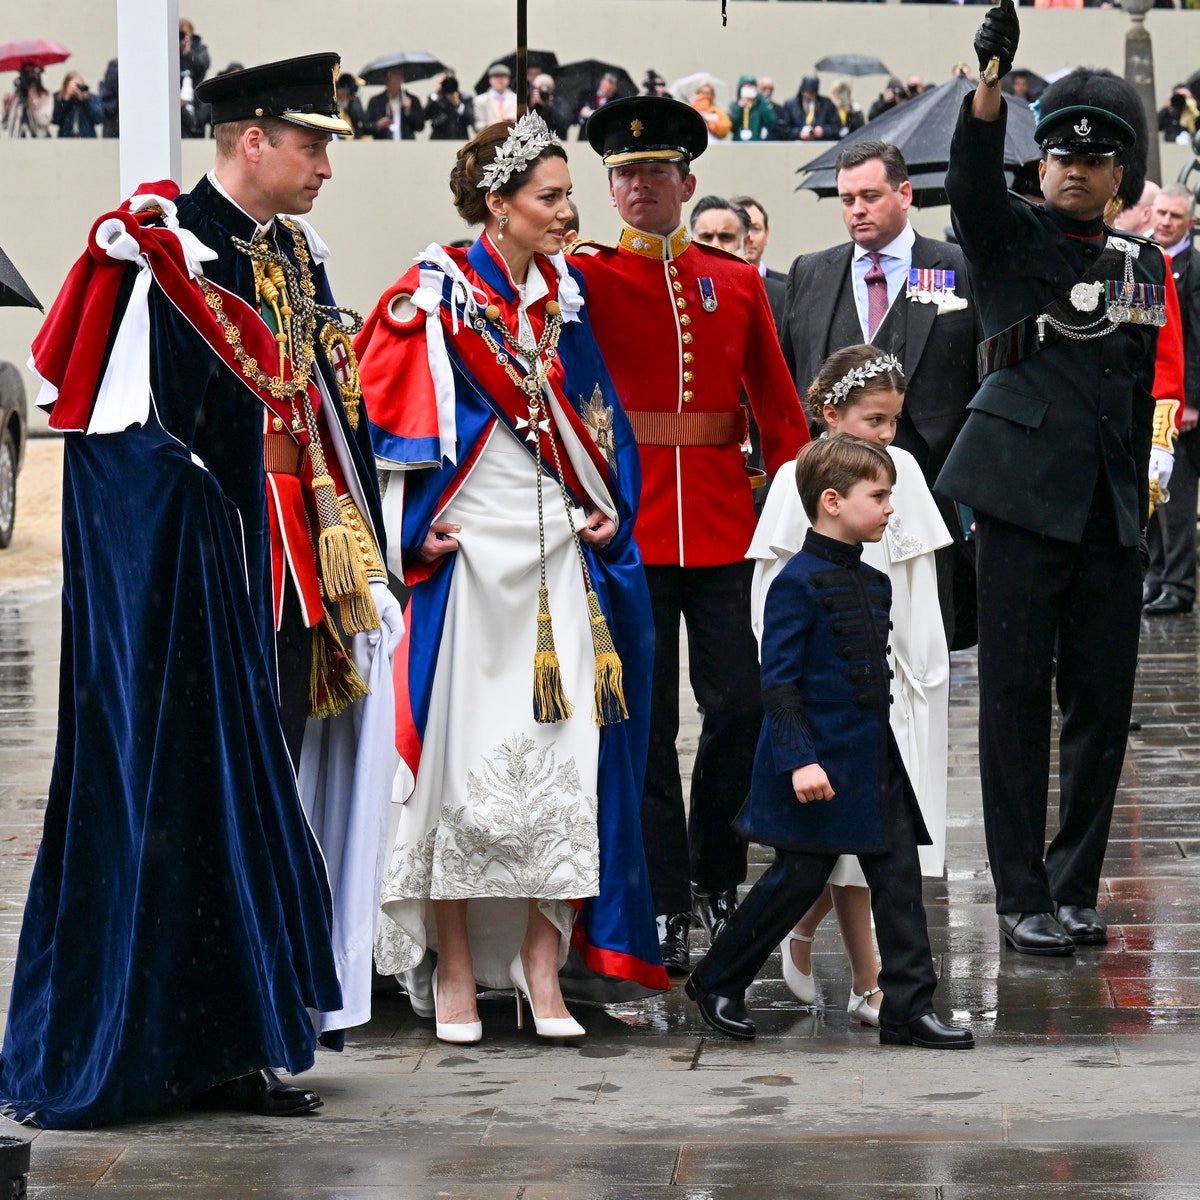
(1084, 1082)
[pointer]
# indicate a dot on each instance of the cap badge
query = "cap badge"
(636, 127)
(1083, 128)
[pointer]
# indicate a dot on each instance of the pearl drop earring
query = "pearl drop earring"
(503, 222)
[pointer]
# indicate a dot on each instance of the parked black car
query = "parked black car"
(12, 445)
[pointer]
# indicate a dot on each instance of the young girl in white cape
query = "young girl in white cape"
(860, 391)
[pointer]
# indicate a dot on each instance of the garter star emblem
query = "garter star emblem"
(598, 420)
(339, 350)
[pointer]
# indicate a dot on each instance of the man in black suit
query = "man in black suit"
(829, 306)
(754, 247)
(1171, 580)
(395, 114)
(1054, 459)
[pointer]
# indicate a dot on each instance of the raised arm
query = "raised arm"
(975, 182)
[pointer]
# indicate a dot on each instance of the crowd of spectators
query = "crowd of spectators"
(443, 110)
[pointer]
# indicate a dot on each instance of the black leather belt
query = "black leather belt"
(1012, 344)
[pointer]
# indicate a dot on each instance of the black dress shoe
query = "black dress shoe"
(1083, 925)
(1166, 604)
(262, 1093)
(929, 1032)
(673, 942)
(1150, 591)
(725, 1014)
(713, 909)
(1035, 933)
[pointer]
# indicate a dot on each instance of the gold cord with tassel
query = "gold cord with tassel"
(610, 686)
(550, 701)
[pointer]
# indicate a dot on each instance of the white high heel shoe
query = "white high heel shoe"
(462, 1033)
(547, 1027)
(860, 1008)
(802, 986)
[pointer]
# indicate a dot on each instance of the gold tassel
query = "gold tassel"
(550, 702)
(357, 612)
(342, 568)
(610, 690)
(334, 681)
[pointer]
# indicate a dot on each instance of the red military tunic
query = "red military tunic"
(670, 353)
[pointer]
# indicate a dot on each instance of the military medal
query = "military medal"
(1086, 296)
(708, 294)
(929, 285)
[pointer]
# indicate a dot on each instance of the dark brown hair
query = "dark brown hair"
(895, 169)
(474, 158)
(838, 462)
(839, 364)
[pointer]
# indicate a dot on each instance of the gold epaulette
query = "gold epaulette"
(589, 246)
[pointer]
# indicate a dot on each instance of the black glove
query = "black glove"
(998, 37)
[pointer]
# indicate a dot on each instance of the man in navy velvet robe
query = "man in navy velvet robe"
(178, 926)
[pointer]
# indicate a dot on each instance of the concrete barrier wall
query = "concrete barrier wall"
(386, 201)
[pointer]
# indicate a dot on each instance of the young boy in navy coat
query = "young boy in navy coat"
(828, 779)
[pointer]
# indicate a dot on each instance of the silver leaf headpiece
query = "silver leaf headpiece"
(525, 142)
(859, 375)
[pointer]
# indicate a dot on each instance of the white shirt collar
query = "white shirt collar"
(258, 229)
(900, 246)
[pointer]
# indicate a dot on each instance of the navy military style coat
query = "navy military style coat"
(1046, 432)
(826, 691)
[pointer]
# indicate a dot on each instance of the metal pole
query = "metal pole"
(148, 57)
(522, 56)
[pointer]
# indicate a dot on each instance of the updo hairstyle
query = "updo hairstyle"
(837, 366)
(474, 158)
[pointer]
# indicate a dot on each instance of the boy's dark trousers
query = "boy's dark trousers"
(792, 884)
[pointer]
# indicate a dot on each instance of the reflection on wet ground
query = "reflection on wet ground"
(1083, 1083)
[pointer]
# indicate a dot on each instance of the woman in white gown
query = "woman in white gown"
(860, 391)
(511, 484)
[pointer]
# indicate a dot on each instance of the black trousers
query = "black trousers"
(790, 886)
(714, 602)
(1053, 609)
(1172, 530)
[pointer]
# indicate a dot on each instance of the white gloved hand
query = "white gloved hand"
(1162, 462)
(391, 615)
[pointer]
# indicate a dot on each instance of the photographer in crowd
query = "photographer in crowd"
(1179, 118)
(76, 111)
(29, 107)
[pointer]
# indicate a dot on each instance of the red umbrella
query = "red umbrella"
(13, 55)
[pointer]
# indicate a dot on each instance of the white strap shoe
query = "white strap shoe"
(802, 986)
(860, 1007)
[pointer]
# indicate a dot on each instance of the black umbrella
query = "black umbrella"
(416, 64)
(852, 64)
(577, 77)
(921, 130)
(542, 60)
(14, 291)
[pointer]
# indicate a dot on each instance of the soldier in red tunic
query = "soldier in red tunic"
(684, 328)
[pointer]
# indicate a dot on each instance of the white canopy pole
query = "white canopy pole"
(148, 58)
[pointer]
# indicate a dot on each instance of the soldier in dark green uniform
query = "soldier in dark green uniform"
(1053, 459)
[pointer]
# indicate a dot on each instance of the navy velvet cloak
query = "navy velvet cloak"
(177, 926)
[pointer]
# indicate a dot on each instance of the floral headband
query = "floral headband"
(527, 139)
(859, 375)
